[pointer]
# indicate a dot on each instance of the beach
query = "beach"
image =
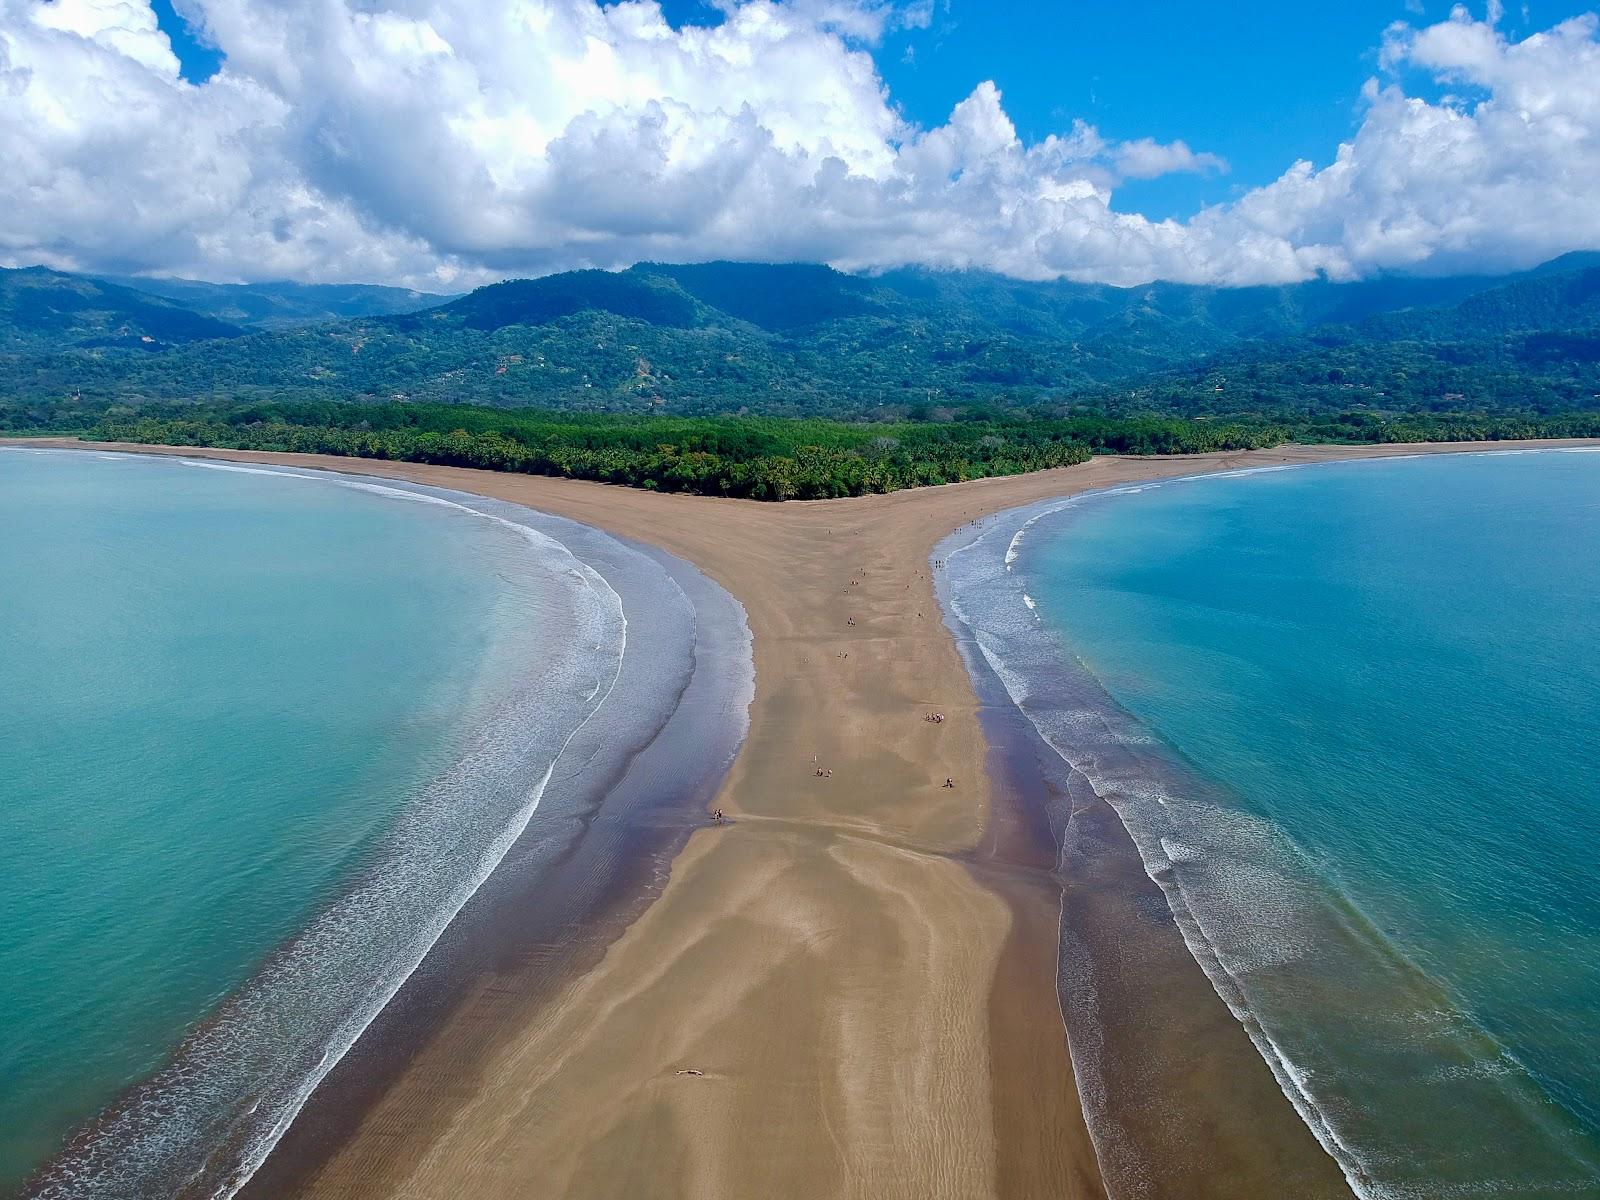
(849, 988)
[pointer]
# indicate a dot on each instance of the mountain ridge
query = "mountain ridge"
(280, 304)
(42, 310)
(805, 339)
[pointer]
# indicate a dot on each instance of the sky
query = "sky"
(442, 144)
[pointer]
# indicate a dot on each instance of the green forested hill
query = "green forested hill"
(1529, 347)
(803, 340)
(1556, 300)
(280, 305)
(44, 311)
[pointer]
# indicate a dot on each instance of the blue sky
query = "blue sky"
(198, 61)
(449, 142)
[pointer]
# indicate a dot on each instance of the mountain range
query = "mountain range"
(280, 305)
(798, 339)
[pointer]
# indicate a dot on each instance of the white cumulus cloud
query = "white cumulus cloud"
(448, 142)
(1147, 158)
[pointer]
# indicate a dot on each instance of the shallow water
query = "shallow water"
(1351, 715)
(254, 731)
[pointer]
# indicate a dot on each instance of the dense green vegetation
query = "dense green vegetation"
(281, 305)
(45, 312)
(809, 341)
(765, 458)
(799, 381)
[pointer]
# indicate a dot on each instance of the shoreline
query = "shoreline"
(681, 657)
(1125, 775)
(856, 971)
(529, 928)
(1175, 1092)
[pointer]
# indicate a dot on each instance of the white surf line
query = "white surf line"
(497, 849)
(214, 465)
(1079, 1074)
(1288, 1076)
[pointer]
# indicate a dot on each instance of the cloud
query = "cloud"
(1148, 158)
(1502, 177)
(449, 142)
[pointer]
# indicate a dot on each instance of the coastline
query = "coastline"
(1174, 1084)
(670, 641)
(855, 965)
(1125, 776)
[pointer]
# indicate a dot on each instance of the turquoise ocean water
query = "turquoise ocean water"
(1365, 703)
(258, 737)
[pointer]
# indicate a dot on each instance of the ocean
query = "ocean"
(1350, 715)
(261, 735)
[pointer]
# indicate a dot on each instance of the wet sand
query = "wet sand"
(849, 990)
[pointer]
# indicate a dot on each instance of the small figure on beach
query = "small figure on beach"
(717, 816)
(850, 621)
(949, 783)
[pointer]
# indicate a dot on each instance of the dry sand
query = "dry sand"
(849, 989)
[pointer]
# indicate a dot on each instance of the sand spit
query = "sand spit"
(847, 990)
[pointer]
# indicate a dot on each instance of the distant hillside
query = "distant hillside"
(277, 305)
(43, 311)
(777, 297)
(633, 295)
(1530, 345)
(805, 340)
(1548, 300)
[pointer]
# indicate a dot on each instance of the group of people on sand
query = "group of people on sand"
(933, 718)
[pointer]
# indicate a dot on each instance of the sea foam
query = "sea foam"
(205, 1122)
(1258, 914)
